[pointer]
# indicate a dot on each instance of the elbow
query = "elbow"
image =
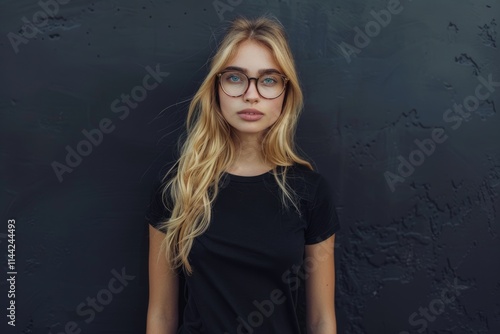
(158, 323)
(325, 326)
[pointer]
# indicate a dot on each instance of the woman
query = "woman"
(248, 220)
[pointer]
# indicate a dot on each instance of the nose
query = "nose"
(252, 94)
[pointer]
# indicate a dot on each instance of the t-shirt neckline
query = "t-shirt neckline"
(253, 178)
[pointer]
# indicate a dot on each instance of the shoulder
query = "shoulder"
(306, 182)
(319, 209)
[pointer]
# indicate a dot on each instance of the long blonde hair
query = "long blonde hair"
(209, 148)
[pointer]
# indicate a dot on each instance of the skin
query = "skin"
(320, 287)
(162, 317)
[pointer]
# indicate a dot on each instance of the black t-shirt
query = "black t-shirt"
(247, 266)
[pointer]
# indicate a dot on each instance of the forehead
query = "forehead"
(253, 57)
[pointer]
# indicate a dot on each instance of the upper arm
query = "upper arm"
(163, 281)
(320, 283)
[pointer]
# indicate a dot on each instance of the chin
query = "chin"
(246, 131)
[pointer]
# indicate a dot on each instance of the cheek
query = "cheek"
(223, 101)
(278, 106)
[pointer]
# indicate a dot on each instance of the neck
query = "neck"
(249, 152)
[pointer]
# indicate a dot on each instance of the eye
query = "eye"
(269, 80)
(233, 77)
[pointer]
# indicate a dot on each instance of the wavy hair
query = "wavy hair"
(209, 148)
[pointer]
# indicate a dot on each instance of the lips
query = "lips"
(250, 112)
(250, 115)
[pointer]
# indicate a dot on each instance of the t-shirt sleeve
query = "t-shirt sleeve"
(157, 212)
(323, 221)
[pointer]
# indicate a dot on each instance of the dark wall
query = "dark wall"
(399, 116)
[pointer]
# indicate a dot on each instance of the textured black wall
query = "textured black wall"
(399, 116)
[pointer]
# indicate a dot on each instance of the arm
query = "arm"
(162, 317)
(320, 288)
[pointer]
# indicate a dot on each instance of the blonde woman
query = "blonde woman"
(240, 213)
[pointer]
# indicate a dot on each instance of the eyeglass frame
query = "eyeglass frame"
(284, 77)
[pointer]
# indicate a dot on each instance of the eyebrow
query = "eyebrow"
(244, 70)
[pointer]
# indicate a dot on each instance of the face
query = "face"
(253, 59)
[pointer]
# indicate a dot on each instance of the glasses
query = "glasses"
(269, 85)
